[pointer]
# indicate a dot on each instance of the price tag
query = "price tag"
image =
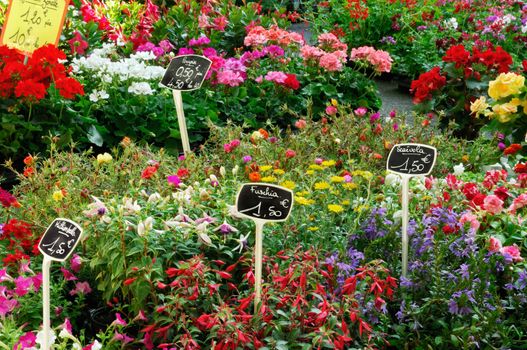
(31, 24)
(186, 73)
(411, 159)
(60, 239)
(266, 202)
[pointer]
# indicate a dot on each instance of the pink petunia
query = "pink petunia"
(81, 288)
(75, 263)
(492, 204)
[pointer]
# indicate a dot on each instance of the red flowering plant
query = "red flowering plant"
(33, 97)
(449, 89)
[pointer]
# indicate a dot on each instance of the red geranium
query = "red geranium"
(457, 54)
(69, 87)
(427, 83)
(30, 89)
(292, 82)
(520, 168)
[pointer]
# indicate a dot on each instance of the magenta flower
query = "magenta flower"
(22, 285)
(290, 153)
(75, 263)
(68, 276)
(28, 340)
(4, 276)
(81, 288)
(359, 112)
(7, 306)
(37, 281)
(225, 228)
(247, 159)
(119, 320)
(174, 180)
(67, 326)
(331, 110)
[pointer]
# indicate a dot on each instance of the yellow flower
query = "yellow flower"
(506, 84)
(504, 111)
(104, 158)
(268, 179)
(303, 201)
(335, 208)
(479, 106)
(313, 228)
(302, 193)
(361, 208)
(310, 172)
(288, 184)
(265, 168)
(328, 163)
(367, 175)
(322, 186)
(334, 102)
(350, 185)
(279, 172)
(337, 179)
(57, 196)
(346, 202)
(315, 167)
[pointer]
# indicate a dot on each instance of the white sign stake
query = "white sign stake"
(178, 100)
(58, 242)
(262, 203)
(185, 73)
(46, 264)
(408, 160)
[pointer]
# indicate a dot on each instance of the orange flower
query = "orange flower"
(515, 147)
(29, 160)
(29, 171)
(264, 133)
(255, 177)
(377, 156)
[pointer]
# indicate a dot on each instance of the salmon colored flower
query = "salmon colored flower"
(255, 176)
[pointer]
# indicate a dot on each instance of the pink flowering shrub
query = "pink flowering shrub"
(379, 60)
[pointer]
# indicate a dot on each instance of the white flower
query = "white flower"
(145, 226)
(459, 169)
(140, 88)
(205, 239)
(154, 198)
(143, 55)
(98, 95)
(96, 345)
(451, 23)
(392, 180)
(397, 215)
(237, 168)
(242, 241)
(131, 207)
(222, 171)
(233, 212)
(51, 339)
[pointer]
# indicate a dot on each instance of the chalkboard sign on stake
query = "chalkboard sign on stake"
(58, 242)
(411, 159)
(262, 203)
(60, 239)
(186, 73)
(408, 160)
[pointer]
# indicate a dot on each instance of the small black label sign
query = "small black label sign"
(60, 239)
(264, 201)
(411, 159)
(186, 73)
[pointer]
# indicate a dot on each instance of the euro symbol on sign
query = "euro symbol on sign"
(284, 203)
(426, 159)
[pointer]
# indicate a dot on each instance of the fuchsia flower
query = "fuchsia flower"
(119, 320)
(78, 44)
(28, 340)
(68, 276)
(174, 180)
(359, 112)
(23, 284)
(75, 263)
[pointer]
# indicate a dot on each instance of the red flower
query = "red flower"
(512, 149)
(524, 65)
(458, 55)
(7, 199)
(78, 44)
(30, 89)
(183, 173)
(292, 82)
(290, 153)
(149, 172)
(205, 322)
(69, 87)
(426, 84)
(129, 281)
(520, 168)
(470, 190)
(255, 177)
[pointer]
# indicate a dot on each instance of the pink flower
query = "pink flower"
(119, 320)
(7, 306)
(230, 78)
(37, 281)
(472, 219)
(318, 161)
(75, 263)
(122, 337)
(277, 77)
(235, 143)
(81, 288)
(494, 244)
(78, 44)
(220, 23)
(26, 341)
(290, 153)
(493, 204)
(166, 45)
(331, 62)
(518, 202)
(259, 79)
(67, 326)
(185, 51)
(512, 252)
(359, 112)
(331, 110)
(300, 124)
(311, 53)
(227, 147)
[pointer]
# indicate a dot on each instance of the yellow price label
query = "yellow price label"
(31, 24)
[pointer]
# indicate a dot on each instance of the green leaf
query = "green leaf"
(94, 136)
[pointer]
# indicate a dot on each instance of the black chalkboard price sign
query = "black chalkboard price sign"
(411, 159)
(264, 202)
(60, 239)
(186, 73)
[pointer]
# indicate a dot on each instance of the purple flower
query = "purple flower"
(225, 228)
(174, 180)
(247, 159)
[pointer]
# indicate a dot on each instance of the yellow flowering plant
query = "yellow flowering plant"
(507, 106)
